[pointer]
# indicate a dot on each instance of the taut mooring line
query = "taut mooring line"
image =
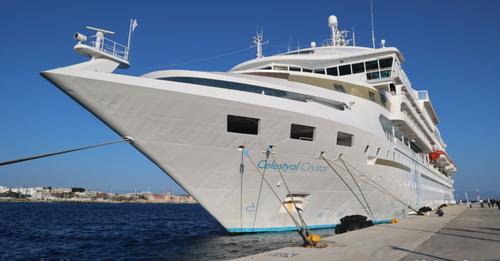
(9, 162)
(345, 183)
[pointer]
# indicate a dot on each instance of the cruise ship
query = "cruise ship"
(294, 140)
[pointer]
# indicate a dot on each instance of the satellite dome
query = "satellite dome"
(332, 21)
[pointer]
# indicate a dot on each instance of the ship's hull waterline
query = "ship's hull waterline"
(182, 128)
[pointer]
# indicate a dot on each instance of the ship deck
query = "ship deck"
(461, 234)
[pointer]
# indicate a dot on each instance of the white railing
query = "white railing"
(420, 121)
(404, 79)
(423, 95)
(108, 46)
(413, 125)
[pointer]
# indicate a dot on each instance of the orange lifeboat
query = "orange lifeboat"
(433, 156)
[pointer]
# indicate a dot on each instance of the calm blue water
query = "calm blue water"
(93, 231)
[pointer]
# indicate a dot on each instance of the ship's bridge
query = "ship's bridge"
(320, 59)
(375, 74)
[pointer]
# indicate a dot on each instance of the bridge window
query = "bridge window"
(358, 67)
(385, 73)
(295, 69)
(345, 69)
(244, 125)
(280, 68)
(332, 71)
(344, 139)
(371, 65)
(384, 63)
(319, 71)
(306, 70)
(373, 75)
(302, 132)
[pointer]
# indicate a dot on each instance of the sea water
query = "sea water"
(103, 231)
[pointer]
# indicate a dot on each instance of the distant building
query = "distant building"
(60, 190)
(40, 193)
(3, 189)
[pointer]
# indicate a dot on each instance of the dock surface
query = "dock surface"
(463, 233)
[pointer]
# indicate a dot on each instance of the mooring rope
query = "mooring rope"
(384, 189)
(260, 191)
(378, 186)
(242, 170)
(304, 225)
(299, 228)
(359, 188)
(347, 185)
(45, 155)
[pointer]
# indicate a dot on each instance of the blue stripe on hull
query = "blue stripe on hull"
(291, 228)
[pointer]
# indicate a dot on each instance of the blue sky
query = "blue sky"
(451, 49)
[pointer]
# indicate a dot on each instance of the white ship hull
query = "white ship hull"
(182, 129)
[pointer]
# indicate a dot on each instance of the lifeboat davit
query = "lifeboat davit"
(441, 159)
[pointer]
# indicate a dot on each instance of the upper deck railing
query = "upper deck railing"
(423, 95)
(108, 46)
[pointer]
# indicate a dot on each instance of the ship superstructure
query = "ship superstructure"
(278, 136)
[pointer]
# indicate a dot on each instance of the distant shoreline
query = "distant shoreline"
(16, 200)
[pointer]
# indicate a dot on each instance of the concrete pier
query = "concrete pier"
(461, 234)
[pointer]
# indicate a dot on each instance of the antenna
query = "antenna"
(258, 41)
(353, 37)
(373, 26)
(99, 36)
(99, 30)
(333, 23)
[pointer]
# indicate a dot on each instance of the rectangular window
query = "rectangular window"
(319, 71)
(302, 132)
(295, 69)
(332, 71)
(384, 63)
(371, 65)
(344, 139)
(392, 88)
(280, 68)
(385, 73)
(383, 99)
(306, 70)
(339, 88)
(372, 95)
(358, 68)
(373, 75)
(345, 69)
(245, 125)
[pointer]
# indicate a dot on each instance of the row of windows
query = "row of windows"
(300, 52)
(256, 89)
(248, 125)
(373, 68)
